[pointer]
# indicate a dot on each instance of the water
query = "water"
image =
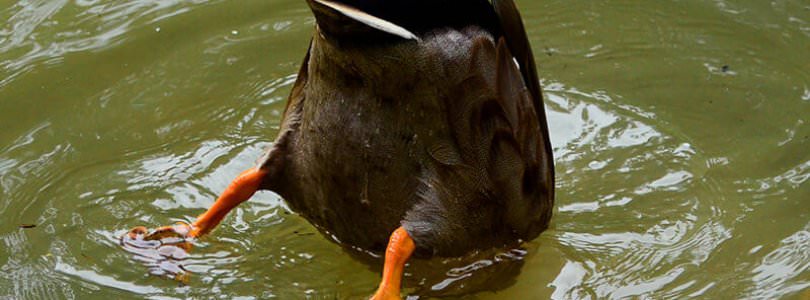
(680, 131)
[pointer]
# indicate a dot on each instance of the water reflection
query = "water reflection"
(24, 277)
(778, 267)
(664, 243)
(679, 130)
(102, 280)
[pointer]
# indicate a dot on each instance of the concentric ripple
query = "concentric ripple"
(680, 134)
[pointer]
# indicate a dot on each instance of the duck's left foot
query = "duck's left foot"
(168, 234)
(177, 236)
(163, 250)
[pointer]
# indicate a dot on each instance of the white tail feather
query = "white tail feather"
(372, 21)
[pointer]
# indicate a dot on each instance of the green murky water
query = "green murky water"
(680, 131)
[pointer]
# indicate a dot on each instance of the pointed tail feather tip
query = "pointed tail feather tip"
(359, 16)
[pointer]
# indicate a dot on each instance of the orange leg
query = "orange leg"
(400, 248)
(240, 190)
(172, 238)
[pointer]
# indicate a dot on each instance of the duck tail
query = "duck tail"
(337, 19)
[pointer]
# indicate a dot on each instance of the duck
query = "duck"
(415, 128)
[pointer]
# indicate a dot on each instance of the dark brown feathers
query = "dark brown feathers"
(444, 134)
(515, 36)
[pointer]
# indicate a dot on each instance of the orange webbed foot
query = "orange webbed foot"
(180, 230)
(177, 235)
(163, 250)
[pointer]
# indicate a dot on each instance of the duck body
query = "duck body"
(442, 132)
(422, 119)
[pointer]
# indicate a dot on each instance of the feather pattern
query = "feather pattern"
(446, 136)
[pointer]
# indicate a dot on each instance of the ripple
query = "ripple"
(36, 33)
(670, 234)
(26, 277)
(776, 274)
(102, 280)
(679, 134)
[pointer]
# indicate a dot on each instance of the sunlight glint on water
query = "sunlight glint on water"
(680, 133)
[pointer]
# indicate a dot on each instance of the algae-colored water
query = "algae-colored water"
(680, 131)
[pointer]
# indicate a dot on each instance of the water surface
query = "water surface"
(680, 131)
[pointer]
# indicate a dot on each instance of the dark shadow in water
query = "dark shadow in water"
(490, 270)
